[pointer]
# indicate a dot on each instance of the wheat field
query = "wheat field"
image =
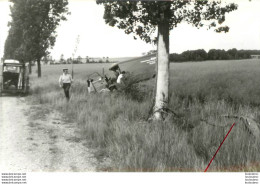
(202, 95)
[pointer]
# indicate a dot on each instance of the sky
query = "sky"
(97, 39)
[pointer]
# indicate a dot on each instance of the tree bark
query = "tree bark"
(30, 67)
(39, 68)
(162, 80)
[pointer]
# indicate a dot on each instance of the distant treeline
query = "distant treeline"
(213, 54)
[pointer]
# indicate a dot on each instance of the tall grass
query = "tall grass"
(116, 123)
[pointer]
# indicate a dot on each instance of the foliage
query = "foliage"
(143, 17)
(32, 29)
(213, 54)
(13, 40)
(217, 54)
(131, 88)
(196, 55)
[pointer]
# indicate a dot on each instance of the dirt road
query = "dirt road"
(34, 139)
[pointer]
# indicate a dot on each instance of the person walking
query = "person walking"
(65, 82)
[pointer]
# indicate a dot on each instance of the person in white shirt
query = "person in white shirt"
(65, 82)
(91, 88)
(120, 77)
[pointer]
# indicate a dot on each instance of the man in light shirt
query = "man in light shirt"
(120, 78)
(65, 81)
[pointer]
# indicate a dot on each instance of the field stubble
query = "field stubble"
(201, 93)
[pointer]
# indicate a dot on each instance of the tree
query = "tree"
(194, 55)
(217, 54)
(69, 60)
(87, 59)
(142, 18)
(232, 53)
(200, 55)
(79, 58)
(12, 40)
(62, 60)
(34, 23)
(14, 47)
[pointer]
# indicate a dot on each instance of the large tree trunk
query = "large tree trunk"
(39, 68)
(162, 80)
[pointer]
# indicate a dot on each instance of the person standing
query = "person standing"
(65, 82)
(91, 88)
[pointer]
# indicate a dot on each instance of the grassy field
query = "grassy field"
(201, 93)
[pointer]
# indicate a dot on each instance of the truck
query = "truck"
(14, 77)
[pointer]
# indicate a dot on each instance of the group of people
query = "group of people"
(118, 74)
(66, 80)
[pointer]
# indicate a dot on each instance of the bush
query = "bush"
(133, 89)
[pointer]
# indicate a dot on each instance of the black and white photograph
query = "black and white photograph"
(117, 86)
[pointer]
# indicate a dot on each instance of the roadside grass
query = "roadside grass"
(201, 93)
